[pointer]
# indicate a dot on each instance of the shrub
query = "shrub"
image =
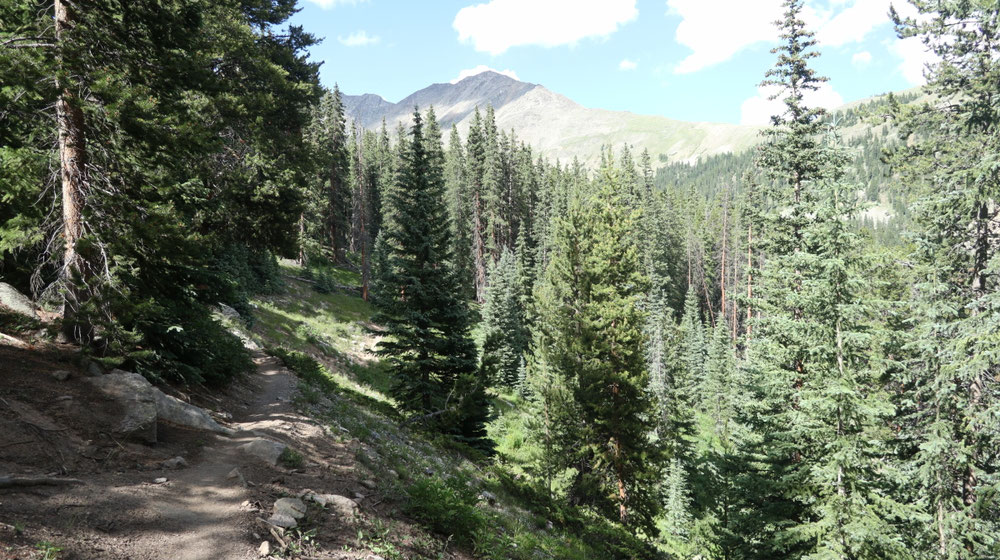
(447, 507)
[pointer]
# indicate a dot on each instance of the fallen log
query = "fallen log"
(26, 481)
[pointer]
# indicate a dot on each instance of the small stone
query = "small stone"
(161, 480)
(175, 463)
(94, 369)
(358, 496)
(60, 375)
(488, 497)
(237, 475)
(283, 520)
(292, 507)
(341, 505)
(369, 484)
(393, 473)
(264, 550)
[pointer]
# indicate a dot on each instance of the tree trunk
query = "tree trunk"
(478, 251)
(363, 198)
(73, 174)
(303, 259)
(749, 276)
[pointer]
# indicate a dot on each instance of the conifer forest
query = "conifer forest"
(733, 358)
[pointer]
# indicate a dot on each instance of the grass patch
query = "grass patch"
(15, 323)
(290, 458)
(447, 506)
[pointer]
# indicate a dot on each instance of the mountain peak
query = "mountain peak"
(551, 123)
(488, 76)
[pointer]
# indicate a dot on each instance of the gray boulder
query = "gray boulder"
(291, 506)
(342, 506)
(177, 412)
(287, 512)
(264, 449)
(135, 396)
(145, 404)
(16, 301)
(229, 312)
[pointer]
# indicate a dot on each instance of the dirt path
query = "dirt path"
(197, 514)
(200, 512)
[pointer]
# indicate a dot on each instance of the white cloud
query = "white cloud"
(861, 59)
(327, 4)
(498, 25)
(717, 31)
(853, 23)
(914, 58)
(359, 39)
(627, 64)
(760, 108)
(483, 68)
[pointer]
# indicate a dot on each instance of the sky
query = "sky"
(692, 60)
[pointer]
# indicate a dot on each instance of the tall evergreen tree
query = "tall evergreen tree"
(950, 159)
(505, 338)
(329, 137)
(592, 337)
(457, 189)
(814, 354)
(426, 323)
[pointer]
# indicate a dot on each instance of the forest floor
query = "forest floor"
(123, 509)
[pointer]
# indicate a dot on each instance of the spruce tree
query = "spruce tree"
(329, 138)
(505, 338)
(952, 383)
(591, 326)
(457, 188)
(426, 324)
(814, 355)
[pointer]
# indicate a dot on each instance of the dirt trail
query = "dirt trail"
(200, 513)
(197, 514)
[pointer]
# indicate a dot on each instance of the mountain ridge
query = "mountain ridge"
(551, 123)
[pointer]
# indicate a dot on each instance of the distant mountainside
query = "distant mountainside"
(553, 124)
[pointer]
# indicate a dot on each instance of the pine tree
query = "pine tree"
(592, 337)
(505, 337)
(949, 158)
(814, 353)
(457, 188)
(328, 135)
(476, 149)
(692, 343)
(426, 324)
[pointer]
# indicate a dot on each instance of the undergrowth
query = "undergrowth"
(482, 505)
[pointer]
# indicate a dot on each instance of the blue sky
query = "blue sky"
(695, 60)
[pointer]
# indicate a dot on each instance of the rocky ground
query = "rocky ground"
(276, 483)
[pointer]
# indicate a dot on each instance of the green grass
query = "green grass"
(15, 323)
